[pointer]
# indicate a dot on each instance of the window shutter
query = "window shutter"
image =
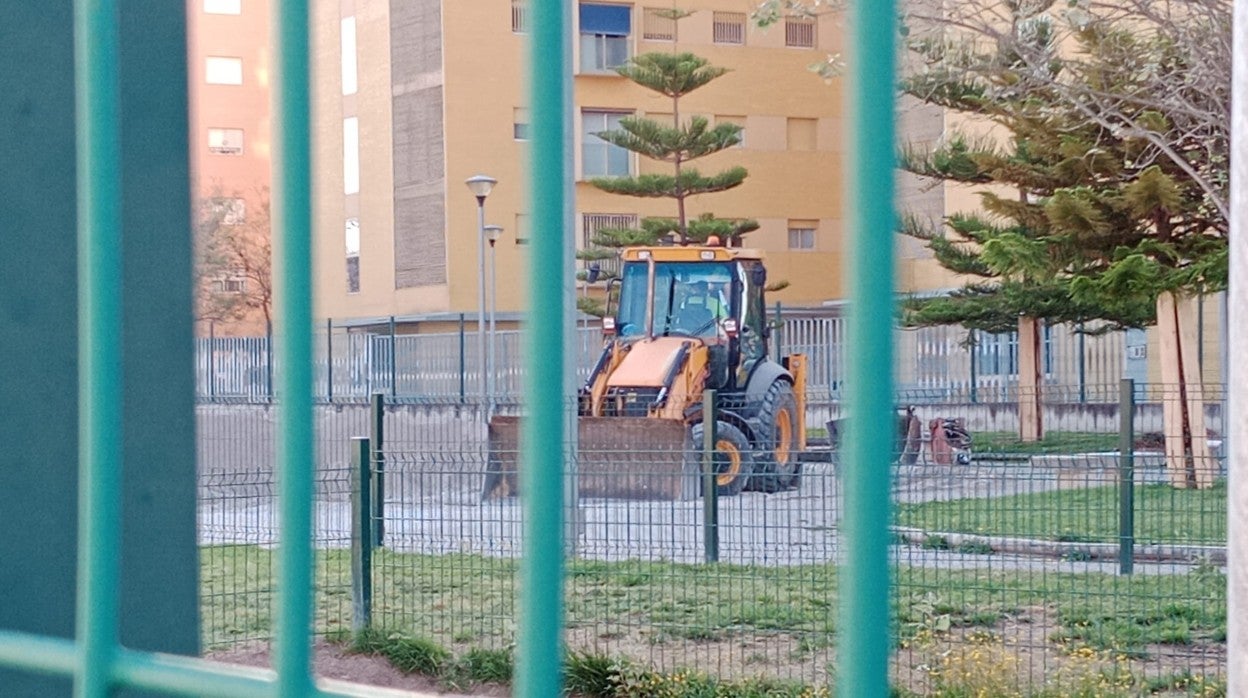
(609, 20)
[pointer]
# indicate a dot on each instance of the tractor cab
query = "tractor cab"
(710, 294)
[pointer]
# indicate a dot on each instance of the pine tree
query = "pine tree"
(1098, 224)
(673, 75)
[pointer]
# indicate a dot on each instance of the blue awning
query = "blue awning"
(612, 20)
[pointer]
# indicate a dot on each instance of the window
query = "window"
(736, 120)
(799, 32)
(225, 141)
(223, 7)
(658, 25)
(520, 124)
(729, 28)
(598, 157)
(350, 80)
(233, 284)
(229, 210)
(802, 235)
(520, 16)
(351, 155)
(221, 70)
(591, 223)
(352, 239)
(522, 228)
(604, 36)
(801, 134)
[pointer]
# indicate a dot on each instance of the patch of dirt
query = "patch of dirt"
(332, 661)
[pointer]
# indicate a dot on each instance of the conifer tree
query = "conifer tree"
(1098, 223)
(673, 75)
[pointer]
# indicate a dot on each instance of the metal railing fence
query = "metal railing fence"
(932, 363)
(1009, 569)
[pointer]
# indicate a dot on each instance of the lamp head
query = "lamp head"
(480, 185)
(492, 232)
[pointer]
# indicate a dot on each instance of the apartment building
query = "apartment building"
(412, 98)
(229, 66)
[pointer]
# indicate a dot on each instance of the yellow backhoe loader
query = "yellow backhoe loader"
(689, 318)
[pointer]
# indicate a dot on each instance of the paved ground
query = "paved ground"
(434, 506)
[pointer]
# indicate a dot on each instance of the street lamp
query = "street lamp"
(491, 235)
(591, 276)
(480, 185)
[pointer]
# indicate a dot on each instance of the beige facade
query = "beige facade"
(413, 97)
(229, 69)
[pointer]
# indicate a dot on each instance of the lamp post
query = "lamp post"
(591, 276)
(480, 185)
(491, 235)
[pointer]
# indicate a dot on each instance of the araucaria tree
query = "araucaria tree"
(1104, 187)
(673, 75)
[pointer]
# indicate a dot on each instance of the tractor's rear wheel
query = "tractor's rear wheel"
(778, 439)
(733, 462)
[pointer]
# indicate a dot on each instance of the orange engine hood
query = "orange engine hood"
(648, 362)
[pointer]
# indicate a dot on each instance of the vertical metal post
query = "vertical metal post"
(482, 376)
(293, 240)
(462, 367)
(1126, 476)
(974, 367)
(329, 359)
(491, 367)
(864, 602)
(268, 360)
(779, 323)
(393, 360)
(98, 123)
(1083, 379)
(361, 535)
(1237, 373)
(710, 492)
(543, 432)
(377, 436)
(212, 359)
(827, 354)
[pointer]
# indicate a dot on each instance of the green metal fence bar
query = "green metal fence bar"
(38, 653)
(98, 128)
(293, 235)
(169, 673)
(863, 659)
(361, 535)
(377, 459)
(542, 434)
(710, 492)
(1126, 476)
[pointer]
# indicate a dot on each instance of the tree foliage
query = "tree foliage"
(673, 75)
(1094, 199)
(233, 258)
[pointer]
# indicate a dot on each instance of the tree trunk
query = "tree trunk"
(1183, 397)
(1030, 421)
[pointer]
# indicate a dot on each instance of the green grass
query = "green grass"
(1163, 514)
(1007, 442)
(471, 601)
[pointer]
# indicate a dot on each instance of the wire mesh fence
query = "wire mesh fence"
(238, 526)
(1019, 566)
(934, 364)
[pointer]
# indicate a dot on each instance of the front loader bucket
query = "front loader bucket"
(617, 457)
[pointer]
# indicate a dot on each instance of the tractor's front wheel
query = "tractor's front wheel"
(732, 461)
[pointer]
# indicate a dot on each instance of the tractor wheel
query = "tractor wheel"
(778, 440)
(734, 464)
